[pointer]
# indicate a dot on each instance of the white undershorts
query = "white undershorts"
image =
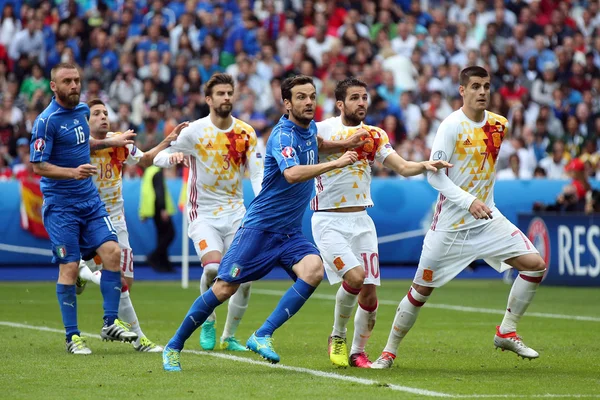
(347, 240)
(214, 234)
(446, 254)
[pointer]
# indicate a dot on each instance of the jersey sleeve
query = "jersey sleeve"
(443, 149)
(384, 148)
(284, 152)
(184, 144)
(134, 156)
(42, 137)
(254, 163)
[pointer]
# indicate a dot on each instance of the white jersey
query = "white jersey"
(218, 161)
(349, 186)
(473, 149)
(109, 179)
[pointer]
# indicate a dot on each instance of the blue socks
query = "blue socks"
(110, 286)
(199, 311)
(289, 305)
(67, 300)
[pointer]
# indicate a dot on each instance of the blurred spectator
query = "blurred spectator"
(35, 82)
(9, 24)
(29, 42)
(555, 164)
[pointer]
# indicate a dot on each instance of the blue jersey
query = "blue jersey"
(280, 205)
(60, 136)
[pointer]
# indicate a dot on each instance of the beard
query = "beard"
(354, 119)
(224, 110)
(300, 118)
(71, 100)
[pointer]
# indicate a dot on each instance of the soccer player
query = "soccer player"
(73, 213)
(109, 182)
(271, 231)
(221, 149)
(343, 231)
(467, 225)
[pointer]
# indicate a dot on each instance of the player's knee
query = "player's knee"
(538, 264)
(368, 296)
(224, 290)
(355, 277)
(313, 270)
(111, 256)
(67, 273)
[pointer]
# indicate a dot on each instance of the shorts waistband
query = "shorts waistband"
(333, 214)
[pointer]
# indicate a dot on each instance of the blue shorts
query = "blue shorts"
(77, 229)
(254, 253)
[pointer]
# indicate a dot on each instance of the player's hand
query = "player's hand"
(178, 158)
(435, 166)
(123, 139)
(357, 139)
(349, 158)
(171, 137)
(84, 171)
(479, 210)
(164, 215)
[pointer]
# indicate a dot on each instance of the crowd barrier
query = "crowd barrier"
(402, 213)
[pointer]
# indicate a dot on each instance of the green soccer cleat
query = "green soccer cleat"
(118, 331)
(208, 335)
(77, 345)
(80, 285)
(232, 344)
(338, 351)
(263, 346)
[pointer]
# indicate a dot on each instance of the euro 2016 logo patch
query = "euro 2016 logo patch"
(440, 155)
(288, 152)
(236, 270)
(39, 144)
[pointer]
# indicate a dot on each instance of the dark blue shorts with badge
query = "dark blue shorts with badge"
(254, 253)
(77, 229)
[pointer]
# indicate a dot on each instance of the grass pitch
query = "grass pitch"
(449, 352)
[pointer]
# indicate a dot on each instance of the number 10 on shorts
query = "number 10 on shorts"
(371, 264)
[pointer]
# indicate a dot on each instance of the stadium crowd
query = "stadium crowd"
(148, 60)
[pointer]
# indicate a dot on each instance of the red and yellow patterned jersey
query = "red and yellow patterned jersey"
(109, 179)
(218, 161)
(473, 149)
(349, 186)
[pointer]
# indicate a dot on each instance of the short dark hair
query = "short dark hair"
(467, 73)
(218, 79)
(341, 88)
(60, 66)
(95, 102)
(291, 82)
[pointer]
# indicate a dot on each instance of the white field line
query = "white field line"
(321, 374)
(328, 375)
(269, 292)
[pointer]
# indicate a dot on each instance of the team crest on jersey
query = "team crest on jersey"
(288, 152)
(339, 264)
(61, 250)
(39, 144)
(236, 270)
(203, 245)
(428, 275)
(440, 155)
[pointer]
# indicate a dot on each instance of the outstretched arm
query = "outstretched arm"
(335, 146)
(148, 157)
(116, 141)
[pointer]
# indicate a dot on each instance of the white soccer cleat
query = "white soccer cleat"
(385, 361)
(146, 345)
(118, 331)
(77, 345)
(513, 342)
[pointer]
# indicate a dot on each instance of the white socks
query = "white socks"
(127, 314)
(406, 315)
(521, 294)
(88, 275)
(209, 274)
(364, 321)
(238, 303)
(345, 300)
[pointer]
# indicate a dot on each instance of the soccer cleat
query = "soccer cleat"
(146, 345)
(385, 360)
(171, 360)
(77, 345)
(338, 351)
(263, 346)
(360, 360)
(118, 331)
(232, 344)
(513, 342)
(80, 285)
(208, 335)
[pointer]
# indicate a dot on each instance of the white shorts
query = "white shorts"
(126, 252)
(214, 234)
(446, 254)
(347, 240)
